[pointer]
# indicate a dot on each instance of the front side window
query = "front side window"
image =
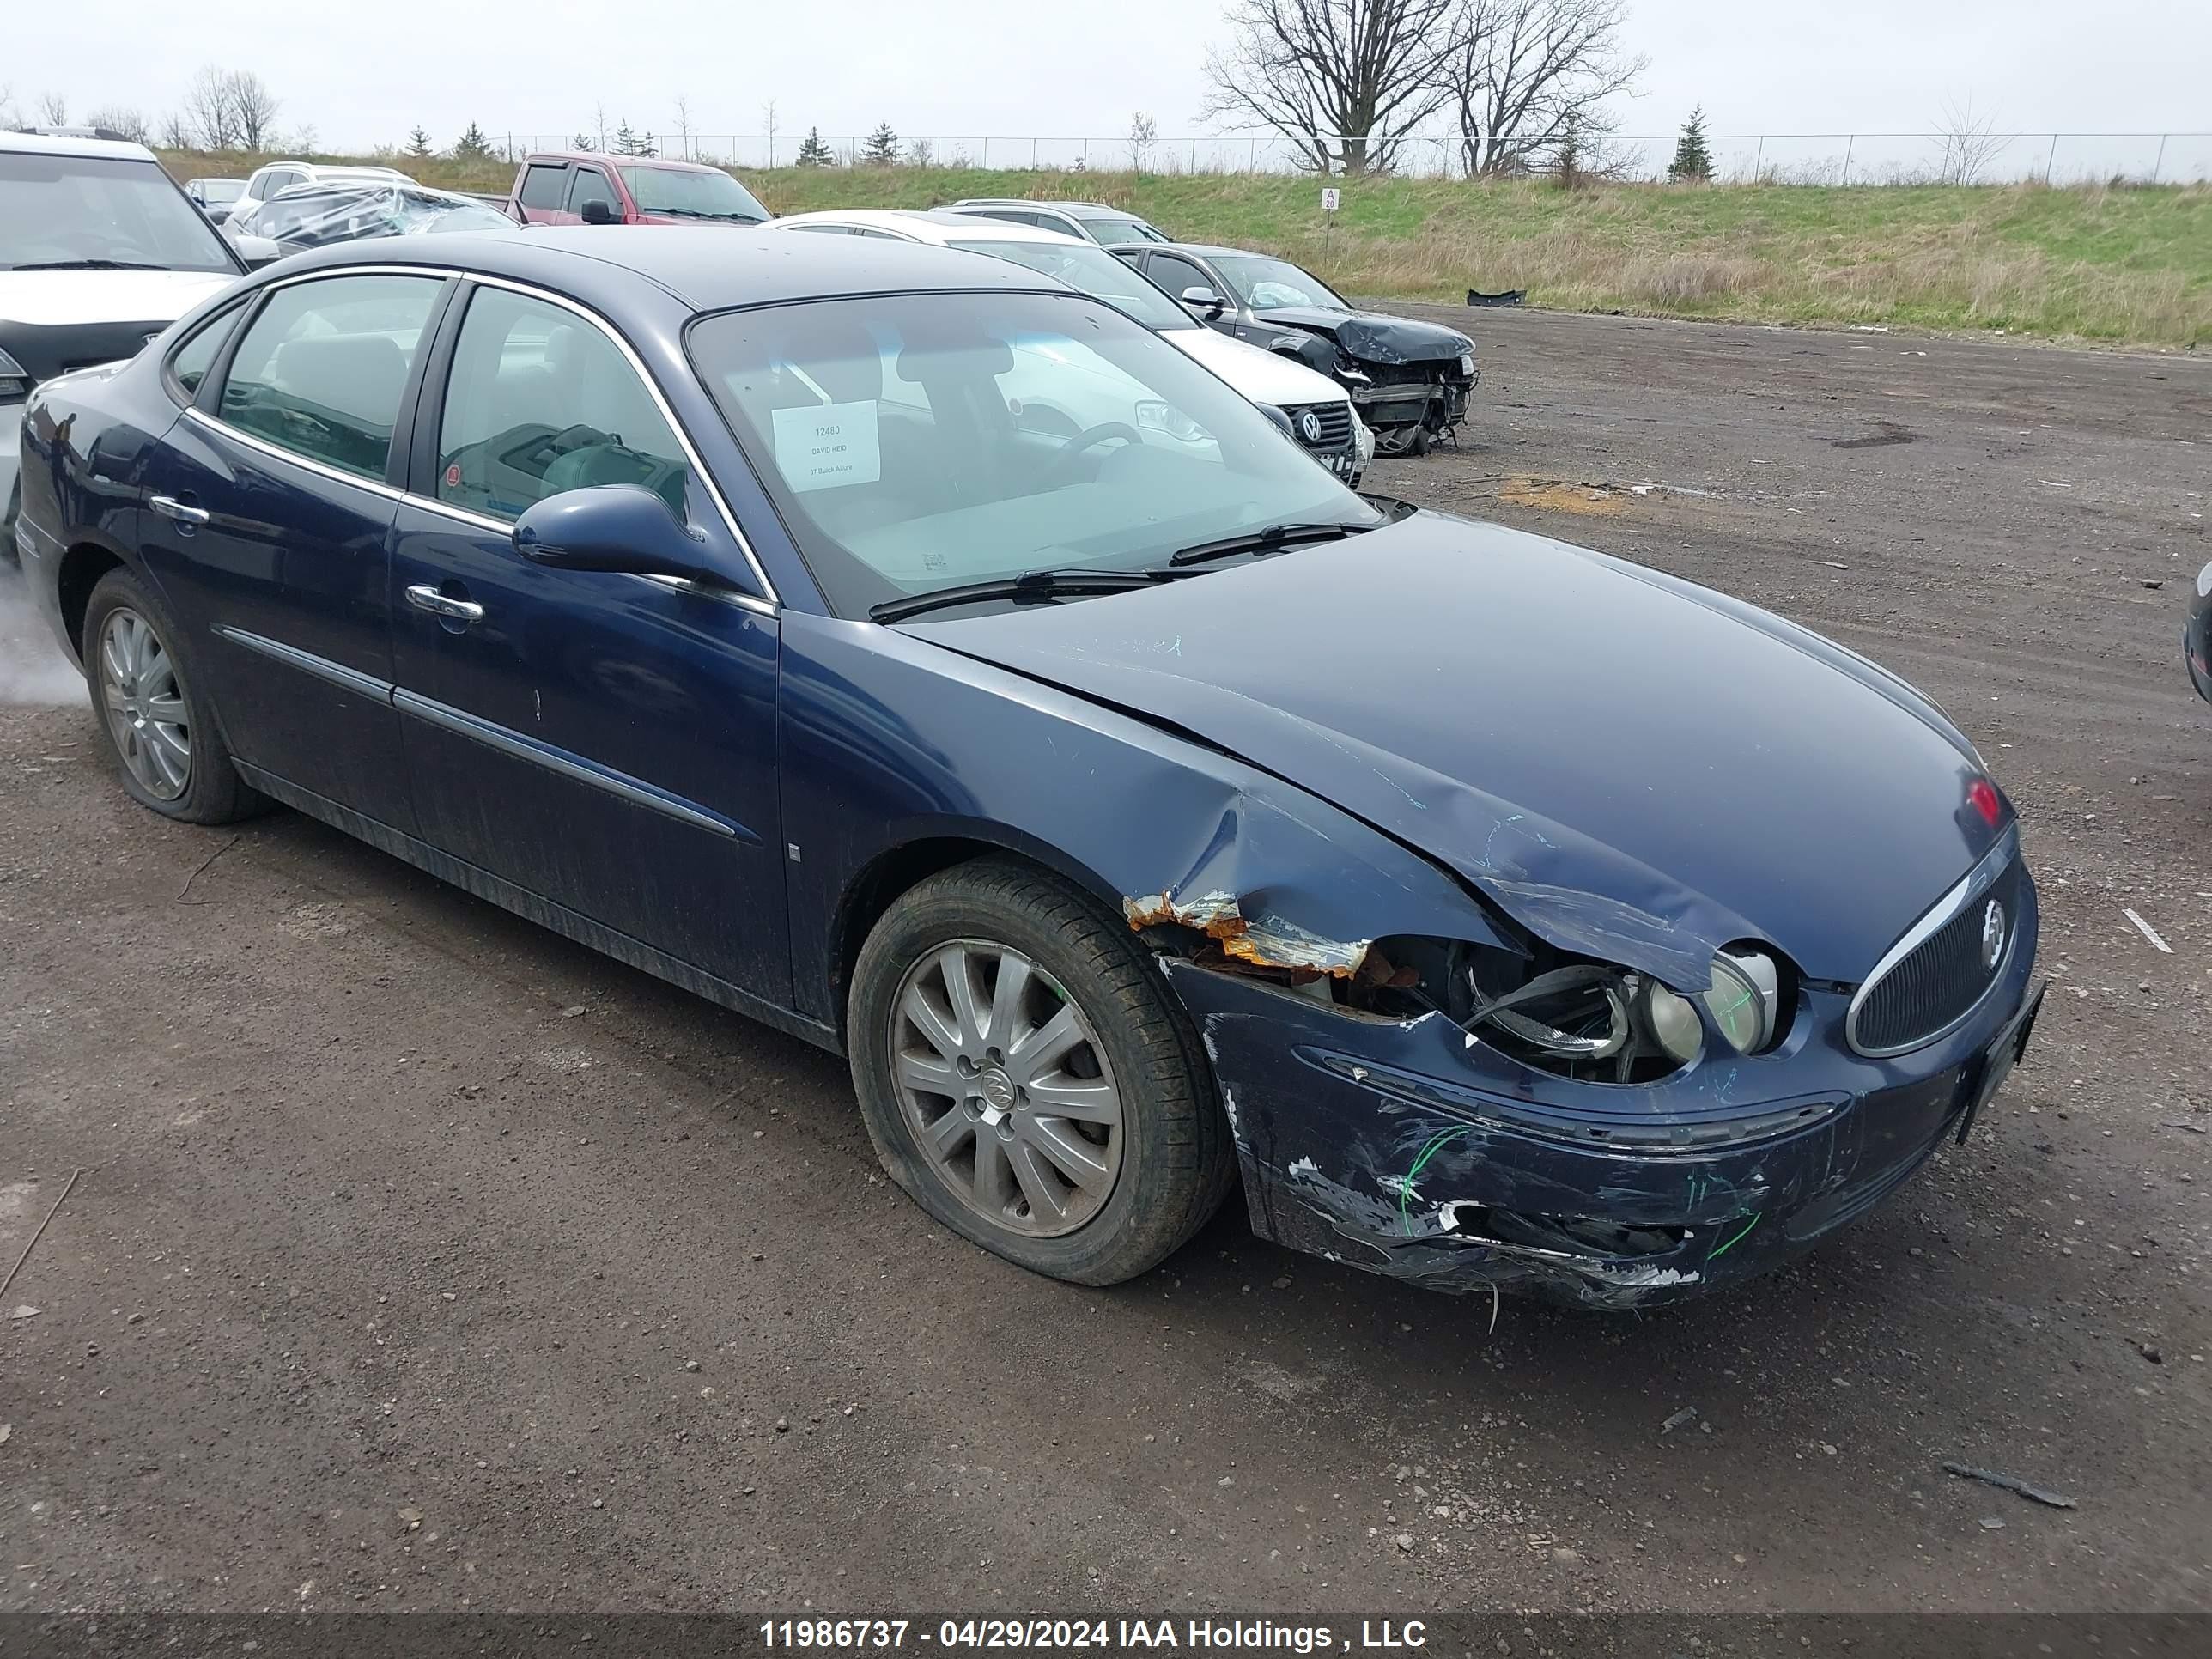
(1272, 284)
(916, 442)
(687, 195)
(1177, 276)
(590, 185)
(540, 402)
(542, 183)
(1091, 270)
(321, 368)
(60, 212)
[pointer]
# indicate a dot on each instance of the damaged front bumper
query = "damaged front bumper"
(1406, 1148)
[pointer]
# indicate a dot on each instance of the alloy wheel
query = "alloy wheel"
(144, 705)
(1006, 1088)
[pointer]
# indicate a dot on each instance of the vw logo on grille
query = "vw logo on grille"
(1993, 934)
(1309, 427)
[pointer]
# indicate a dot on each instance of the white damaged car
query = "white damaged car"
(100, 251)
(1319, 413)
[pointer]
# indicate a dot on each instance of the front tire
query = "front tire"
(1029, 1080)
(157, 717)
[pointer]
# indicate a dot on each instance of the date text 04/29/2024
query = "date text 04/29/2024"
(1000, 1635)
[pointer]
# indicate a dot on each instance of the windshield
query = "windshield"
(68, 209)
(914, 442)
(1274, 285)
(1121, 230)
(1090, 269)
(316, 216)
(700, 195)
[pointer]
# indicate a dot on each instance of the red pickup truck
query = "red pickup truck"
(579, 187)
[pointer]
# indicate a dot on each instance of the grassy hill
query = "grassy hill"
(2124, 265)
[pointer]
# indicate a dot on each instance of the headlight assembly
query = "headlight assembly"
(15, 381)
(1743, 995)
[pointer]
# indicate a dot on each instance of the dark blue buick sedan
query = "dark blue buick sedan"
(895, 646)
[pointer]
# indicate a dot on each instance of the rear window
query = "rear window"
(1121, 230)
(93, 212)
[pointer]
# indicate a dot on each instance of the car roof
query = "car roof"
(608, 158)
(703, 267)
(49, 143)
(335, 182)
(1073, 209)
(931, 225)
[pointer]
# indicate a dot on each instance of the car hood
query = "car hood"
(1265, 377)
(66, 299)
(1631, 766)
(1372, 336)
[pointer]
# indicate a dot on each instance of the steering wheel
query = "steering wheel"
(1091, 438)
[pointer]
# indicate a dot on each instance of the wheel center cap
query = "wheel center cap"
(997, 1090)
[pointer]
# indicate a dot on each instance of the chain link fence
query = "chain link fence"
(1834, 158)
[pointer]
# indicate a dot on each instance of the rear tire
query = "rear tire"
(964, 1089)
(154, 711)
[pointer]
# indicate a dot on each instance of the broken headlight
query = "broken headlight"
(1744, 996)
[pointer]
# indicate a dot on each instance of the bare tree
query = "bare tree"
(1144, 133)
(54, 109)
(1971, 142)
(254, 107)
(683, 126)
(123, 121)
(205, 117)
(768, 125)
(1523, 76)
(1345, 81)
(599, 127)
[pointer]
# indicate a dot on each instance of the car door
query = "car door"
(589, 183)
(1177, 274)
(605, 742)
(545, 187)
(266, 518)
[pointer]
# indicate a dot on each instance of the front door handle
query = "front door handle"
(170, 507)
(426, 597)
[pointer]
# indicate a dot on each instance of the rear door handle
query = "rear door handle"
(170, 507)
(426, 597)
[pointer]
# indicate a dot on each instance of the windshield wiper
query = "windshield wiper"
(1029, 584)
(1266, 541)
(90, 264)
(708, 213)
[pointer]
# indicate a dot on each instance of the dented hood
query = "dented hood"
(1372, 336)
(1631, 766)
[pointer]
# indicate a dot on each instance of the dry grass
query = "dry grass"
(2116, 264)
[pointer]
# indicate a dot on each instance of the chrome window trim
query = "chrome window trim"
(767, 601)
(1976, 882)
(346, 679)
(631, 789)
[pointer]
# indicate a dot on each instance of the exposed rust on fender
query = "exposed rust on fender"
(1268, 942)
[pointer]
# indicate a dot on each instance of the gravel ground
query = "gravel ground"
(422, 1260)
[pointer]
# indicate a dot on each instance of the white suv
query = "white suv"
(1319, 413)
(267, 180)
(100, 251)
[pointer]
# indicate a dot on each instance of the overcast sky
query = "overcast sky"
(1019, 67)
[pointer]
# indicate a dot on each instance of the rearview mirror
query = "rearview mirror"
(616, 527)
(257, 251)
(597, 212)
(1203, 299)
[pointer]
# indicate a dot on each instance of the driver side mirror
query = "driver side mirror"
(1204, 299)
(624, 528)
(257, 251)
(597, 212)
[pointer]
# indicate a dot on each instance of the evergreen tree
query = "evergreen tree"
(473, 145)
(882, 149)
(418, 144)
(626, 142)
(581, 141)
(814, 150)
(1694, 161)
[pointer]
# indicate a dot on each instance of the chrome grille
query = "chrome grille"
(1941, 970)
(1333, 422)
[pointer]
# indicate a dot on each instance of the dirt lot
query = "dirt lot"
(421, 1259)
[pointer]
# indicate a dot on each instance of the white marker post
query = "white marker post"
(1330, 197)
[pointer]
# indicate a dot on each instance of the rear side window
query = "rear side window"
(189, 363)
(321, 369)
(541, 186)
(541, 402)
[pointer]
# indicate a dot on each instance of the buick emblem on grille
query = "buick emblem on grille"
(1993, 934)
(1309, 427)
